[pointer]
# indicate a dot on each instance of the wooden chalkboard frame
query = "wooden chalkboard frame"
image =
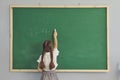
(58, 70)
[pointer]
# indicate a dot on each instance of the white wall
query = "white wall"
(114, 40)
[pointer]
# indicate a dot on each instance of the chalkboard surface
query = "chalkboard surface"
(82, 36)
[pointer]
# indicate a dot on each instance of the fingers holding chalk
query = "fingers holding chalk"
(55, 32)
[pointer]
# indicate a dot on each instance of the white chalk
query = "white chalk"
(55, 30)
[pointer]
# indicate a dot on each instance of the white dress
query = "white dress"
(47, 59)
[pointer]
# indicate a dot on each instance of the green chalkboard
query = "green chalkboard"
(82, 36)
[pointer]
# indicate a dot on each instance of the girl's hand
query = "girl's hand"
(55, 33)
(39, 69)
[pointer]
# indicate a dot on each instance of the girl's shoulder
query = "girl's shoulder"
(56, 51)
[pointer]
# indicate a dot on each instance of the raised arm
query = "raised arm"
(55, 39)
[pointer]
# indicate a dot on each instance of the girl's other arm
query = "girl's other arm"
(39, 67)
(55, 39)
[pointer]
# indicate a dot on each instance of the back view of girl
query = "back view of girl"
(47, 62)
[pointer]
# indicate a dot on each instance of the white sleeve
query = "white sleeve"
(39, 59)
(55, 50)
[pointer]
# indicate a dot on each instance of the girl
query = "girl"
(47, 62)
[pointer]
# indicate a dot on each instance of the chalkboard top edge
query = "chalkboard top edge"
(35, 6)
